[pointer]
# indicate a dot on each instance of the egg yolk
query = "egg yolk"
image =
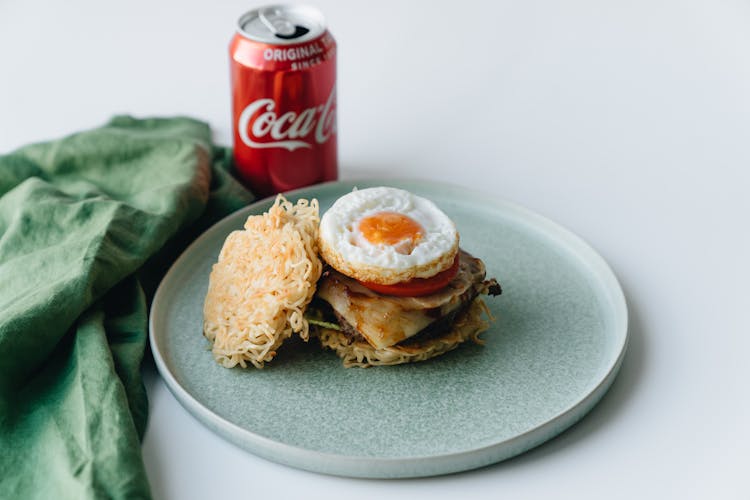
(391, 228)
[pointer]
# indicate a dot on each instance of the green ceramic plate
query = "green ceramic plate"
(556, 346)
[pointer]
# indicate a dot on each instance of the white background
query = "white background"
(627, 122)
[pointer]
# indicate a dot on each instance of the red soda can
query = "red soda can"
(283, 74)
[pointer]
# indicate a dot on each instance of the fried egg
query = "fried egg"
(386, 235)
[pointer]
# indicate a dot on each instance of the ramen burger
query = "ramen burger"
(398, 288)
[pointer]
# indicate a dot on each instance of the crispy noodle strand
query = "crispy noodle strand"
(261, 284)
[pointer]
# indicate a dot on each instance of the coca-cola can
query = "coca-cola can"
(283, 74)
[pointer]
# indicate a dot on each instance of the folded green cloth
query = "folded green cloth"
(88, 225)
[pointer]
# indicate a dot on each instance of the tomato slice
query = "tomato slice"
(417, 286)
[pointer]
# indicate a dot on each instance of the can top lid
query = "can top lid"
(282, 24)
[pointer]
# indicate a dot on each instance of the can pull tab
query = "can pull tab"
(279, 25)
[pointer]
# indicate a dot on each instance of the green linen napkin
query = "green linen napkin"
(88, 225)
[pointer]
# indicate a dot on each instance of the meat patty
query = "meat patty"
(385, 320)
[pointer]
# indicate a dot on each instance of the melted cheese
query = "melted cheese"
(385, 320)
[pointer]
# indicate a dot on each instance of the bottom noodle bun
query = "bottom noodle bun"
(467, 326)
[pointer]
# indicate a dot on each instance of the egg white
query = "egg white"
(347, 246)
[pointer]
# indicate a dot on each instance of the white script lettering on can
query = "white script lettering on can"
(289, 130)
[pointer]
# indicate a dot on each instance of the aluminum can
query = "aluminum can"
(283, 76)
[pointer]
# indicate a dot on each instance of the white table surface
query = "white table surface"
(627, 122)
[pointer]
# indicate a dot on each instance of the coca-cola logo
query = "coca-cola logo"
(291, 130)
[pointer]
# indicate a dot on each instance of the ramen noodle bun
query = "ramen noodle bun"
(259, 288)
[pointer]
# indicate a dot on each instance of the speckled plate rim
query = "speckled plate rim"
(416, 466)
